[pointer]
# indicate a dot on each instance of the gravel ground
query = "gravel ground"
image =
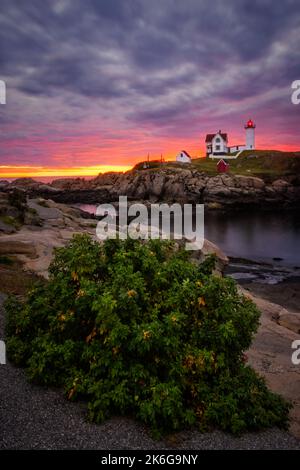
(32, 417)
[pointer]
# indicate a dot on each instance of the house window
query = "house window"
(218, 139)
(218, 147)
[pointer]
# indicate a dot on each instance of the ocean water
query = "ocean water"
(271, 240)
(261, 236)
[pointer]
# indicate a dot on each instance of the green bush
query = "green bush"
(9, 220)
(136, 328)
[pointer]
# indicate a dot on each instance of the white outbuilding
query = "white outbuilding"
(183, 157)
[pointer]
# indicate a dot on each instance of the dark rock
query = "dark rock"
(7, 228)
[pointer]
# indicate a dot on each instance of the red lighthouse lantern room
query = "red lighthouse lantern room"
(250, 125)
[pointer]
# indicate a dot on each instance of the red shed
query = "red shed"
(222, 166)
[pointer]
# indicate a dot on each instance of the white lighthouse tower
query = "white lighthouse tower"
(250, 135)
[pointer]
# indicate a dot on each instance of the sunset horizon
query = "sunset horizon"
(19, 171)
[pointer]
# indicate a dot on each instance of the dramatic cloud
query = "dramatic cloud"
(93, 82)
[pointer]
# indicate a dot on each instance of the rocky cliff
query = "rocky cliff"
(171, 185)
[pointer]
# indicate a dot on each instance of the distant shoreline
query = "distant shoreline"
(47, 179)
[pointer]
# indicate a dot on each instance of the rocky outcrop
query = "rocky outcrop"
(290, 320)
(17, 247)
(287, 318)
(15, 212)
(170, 185)
(207, 249)
(33, 244)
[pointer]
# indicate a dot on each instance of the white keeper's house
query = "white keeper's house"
(217, 144)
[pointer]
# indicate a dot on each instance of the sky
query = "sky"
(97, 85)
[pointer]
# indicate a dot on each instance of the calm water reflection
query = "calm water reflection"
(257, 236)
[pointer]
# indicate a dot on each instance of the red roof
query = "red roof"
(222, 162)
(209, 137)
(183, 151)
(222, 166)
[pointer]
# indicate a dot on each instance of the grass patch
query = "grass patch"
(9, 220)
(265, 164)
(261, 163)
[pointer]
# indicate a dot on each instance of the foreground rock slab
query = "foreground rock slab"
(270, 355)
